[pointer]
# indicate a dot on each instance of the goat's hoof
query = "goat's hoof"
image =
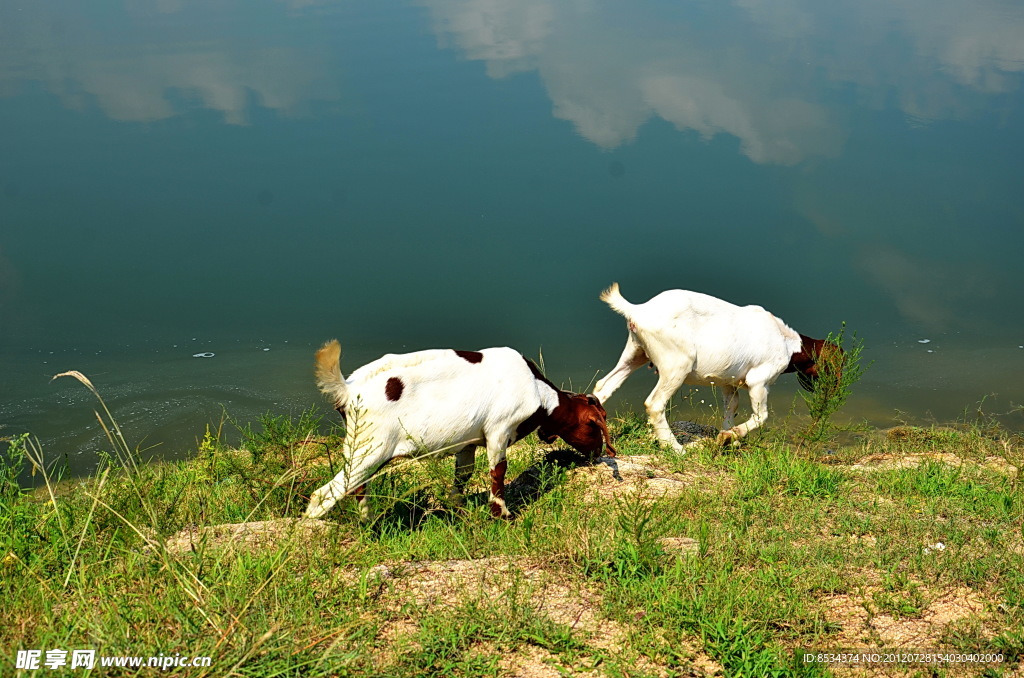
(500, 511)
(727, 438)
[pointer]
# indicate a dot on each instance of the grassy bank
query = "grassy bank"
(716, 562)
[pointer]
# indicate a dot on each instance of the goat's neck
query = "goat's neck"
(807, 356)
(563, 411)
(562, 416)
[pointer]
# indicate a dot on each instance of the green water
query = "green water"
(249, 179)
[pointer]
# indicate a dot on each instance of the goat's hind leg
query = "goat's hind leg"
(350, 480)
(324, 499)
(633, 357)
(465, 459)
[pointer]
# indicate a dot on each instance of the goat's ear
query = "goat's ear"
(604, 437)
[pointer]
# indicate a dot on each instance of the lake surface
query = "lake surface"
(251, 178)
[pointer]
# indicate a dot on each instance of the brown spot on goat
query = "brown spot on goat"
(360, 493)
(531, 423)
(470, 356)
(393, 389)
(537, 374)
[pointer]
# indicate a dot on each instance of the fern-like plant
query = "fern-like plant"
(838, 371)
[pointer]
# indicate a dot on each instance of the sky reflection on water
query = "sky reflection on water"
(470, 173)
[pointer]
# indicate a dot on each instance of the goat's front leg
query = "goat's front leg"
(669, 382)
(496, 446)
(731, 397)
(633, 357)
(464, 462)
(759, 405)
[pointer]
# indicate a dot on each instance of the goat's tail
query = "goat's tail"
(328, 374)
(613, 298)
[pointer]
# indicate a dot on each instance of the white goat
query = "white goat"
(447, 401)
(693, 338)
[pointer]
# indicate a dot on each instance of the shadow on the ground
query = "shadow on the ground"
(411, 512)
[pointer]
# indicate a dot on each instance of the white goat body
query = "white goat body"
(697, 339)
(446, 401)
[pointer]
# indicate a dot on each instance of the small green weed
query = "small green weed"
(278, 435)
(837, 373)
(18, 513)
(899, 596)
(935, 480)
(784, 471)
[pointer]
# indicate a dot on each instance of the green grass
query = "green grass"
(793, 550)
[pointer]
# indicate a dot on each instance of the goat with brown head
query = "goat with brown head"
(696, 339)
(447, 401)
